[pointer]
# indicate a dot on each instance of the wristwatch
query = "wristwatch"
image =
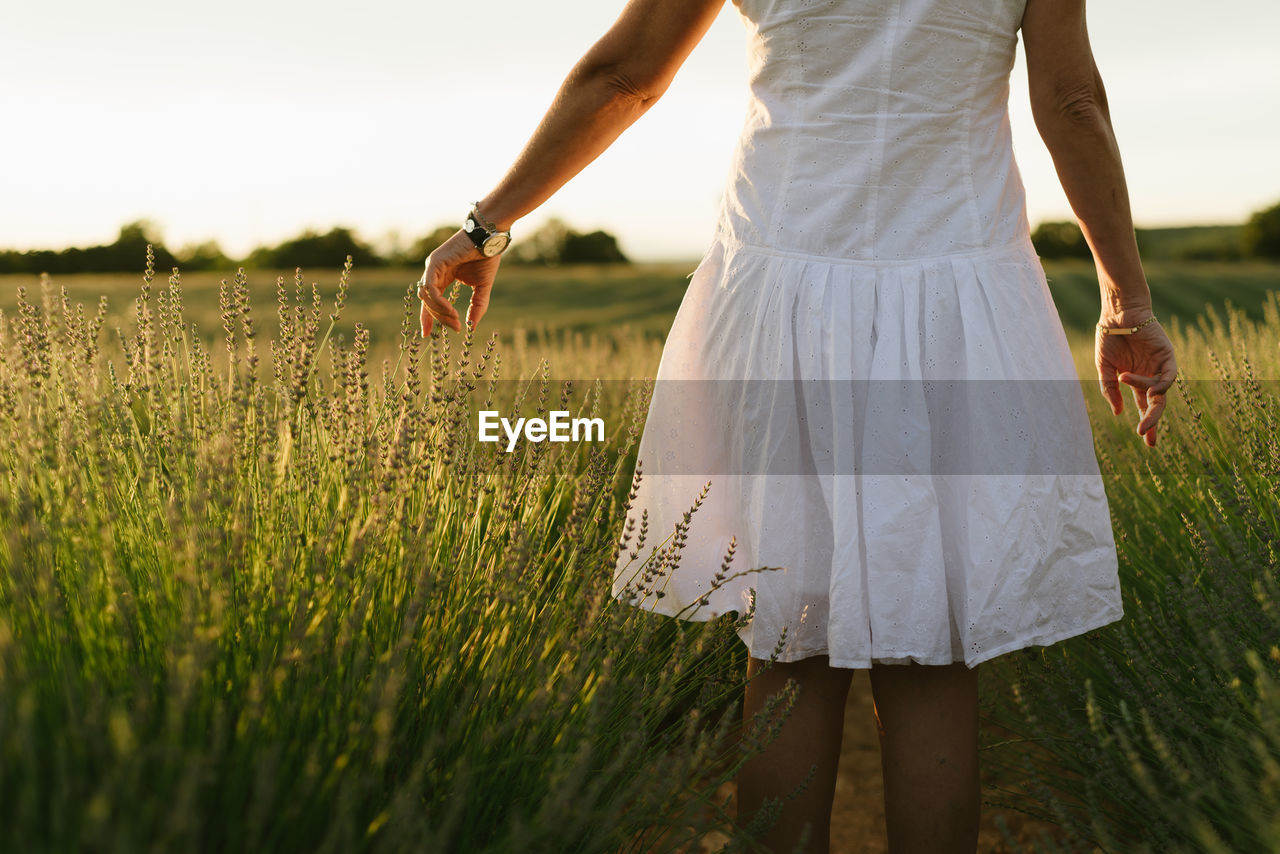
(485, 234)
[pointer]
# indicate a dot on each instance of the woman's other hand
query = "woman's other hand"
(457, 259)
(1144, 361)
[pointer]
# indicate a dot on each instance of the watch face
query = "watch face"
(495, 244)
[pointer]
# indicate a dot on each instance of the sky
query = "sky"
(246, 122)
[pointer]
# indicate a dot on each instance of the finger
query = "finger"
(1141, 381)
(426, 320)
(1111, 389)
(433, 298)
(479, 305)
(1140, 402)
(442, 310)
(1139, 385)
(449, 319)
(1151, 393)
(1164, 380)
(1157, 384)
(424, 311)
(1156, 402)
(1152, 416)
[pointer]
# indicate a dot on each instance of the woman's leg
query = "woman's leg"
(810, 736)
(928, 722)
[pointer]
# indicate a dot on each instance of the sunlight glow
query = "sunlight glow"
(247, 122)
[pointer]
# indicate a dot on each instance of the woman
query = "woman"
(873, 232)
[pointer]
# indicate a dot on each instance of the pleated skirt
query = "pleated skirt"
(876, 462)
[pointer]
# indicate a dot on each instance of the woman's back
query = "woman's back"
(877, 130)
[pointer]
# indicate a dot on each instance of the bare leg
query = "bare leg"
(811, 735)
(927, 717)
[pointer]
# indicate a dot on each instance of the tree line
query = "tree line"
(557, 243)
(554, 243)
(1257, 238)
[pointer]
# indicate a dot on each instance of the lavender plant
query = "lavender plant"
(281, 607)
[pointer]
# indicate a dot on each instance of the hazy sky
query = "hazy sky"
(248, 121)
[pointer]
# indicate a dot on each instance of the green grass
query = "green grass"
(531, 307)
(1161, 733)
(1180, 290)
(304, 613)
(1168, 244)
(286, 606)
(545, 308)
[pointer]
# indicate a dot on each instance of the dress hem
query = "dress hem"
(986, 655)
(703, 615)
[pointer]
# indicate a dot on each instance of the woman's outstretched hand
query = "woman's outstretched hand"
(1144, 361)
(457, 259)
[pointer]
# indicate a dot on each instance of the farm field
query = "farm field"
(530, 306)
(548, 307)
(295, 610)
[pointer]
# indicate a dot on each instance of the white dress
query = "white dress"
(868, 368)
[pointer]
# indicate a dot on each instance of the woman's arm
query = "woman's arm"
(615, 83)
(1070, 109)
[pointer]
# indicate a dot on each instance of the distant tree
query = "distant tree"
(418, 251)
(129, 250)
(311, 249)
(13, 261)
(544, 245)
(1261, 235)
(596, 247)
(1060, 240)
(203, 256)
(126, 254)
(556, 243)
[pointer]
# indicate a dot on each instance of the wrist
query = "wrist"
(496, 214)
(1124, 298)
(1132, 315)
(466, 246)
(486, 235)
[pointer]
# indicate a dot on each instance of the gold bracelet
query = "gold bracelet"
(1124, 330)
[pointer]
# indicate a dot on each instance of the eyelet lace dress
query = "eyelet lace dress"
(867, 367)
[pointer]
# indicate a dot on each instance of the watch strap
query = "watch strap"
(477, 232)
(482, 233)
(478, 218)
